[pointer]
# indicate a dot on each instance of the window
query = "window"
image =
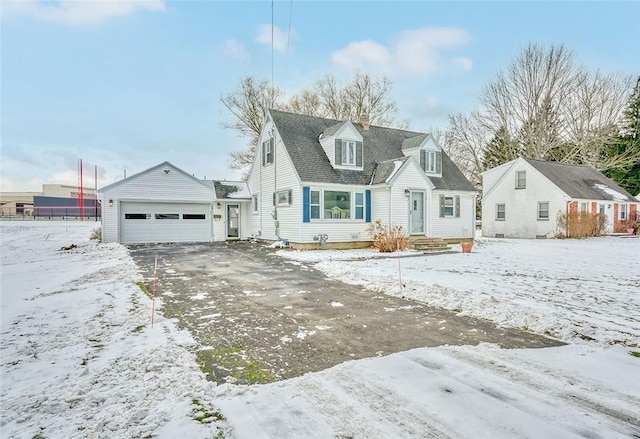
(359, 205)
(623, 212)
(584, 207)
(543, 210)
(193, 216)
(431, 161)
(282, 198)
(337, 205)
(137, 216)
(254, 203)
(348, 152)
(267, 152)
(521, 179)
(315, 204)
(500, 212)
(167, 216)
(449, 206)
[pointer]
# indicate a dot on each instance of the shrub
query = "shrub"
(388, 238)
(580, 225)
(96, 234)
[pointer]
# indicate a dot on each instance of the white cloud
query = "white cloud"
(362, 54)
(234, 48)
(78, 12)
(463, 62)
(279, 37)
(415, 52)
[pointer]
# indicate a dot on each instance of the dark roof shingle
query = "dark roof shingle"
(300, 135)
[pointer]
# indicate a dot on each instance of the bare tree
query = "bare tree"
(465, 142)
(545, 106)
(327, 97)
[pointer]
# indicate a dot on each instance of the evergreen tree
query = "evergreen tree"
(628, 141)
(500, 149)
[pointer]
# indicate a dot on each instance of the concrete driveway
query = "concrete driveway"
(258, 317)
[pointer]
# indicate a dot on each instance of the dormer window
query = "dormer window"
(267, 152)
(431, 161)
(348, 153)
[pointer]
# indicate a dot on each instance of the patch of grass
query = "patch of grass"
(205, 415)
(458, 310)
(634, 354)
(144, 288)
(84, 361)
(230, 361)
(138, 328)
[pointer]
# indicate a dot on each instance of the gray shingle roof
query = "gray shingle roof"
(300, 136)
(582, 182)
(414, 142)
(383, 170)
(231, 190)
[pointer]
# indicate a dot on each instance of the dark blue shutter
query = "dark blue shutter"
(358, 153)
(367, 202)
(306, 204)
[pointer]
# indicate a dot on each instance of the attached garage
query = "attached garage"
(145, 222)
(161, 204)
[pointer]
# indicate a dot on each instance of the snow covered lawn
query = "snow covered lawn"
(79, 358)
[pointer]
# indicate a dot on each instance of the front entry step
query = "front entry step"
(428, 244)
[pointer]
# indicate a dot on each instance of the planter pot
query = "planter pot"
(466, 246)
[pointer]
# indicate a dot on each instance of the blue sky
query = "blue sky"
(126, 85)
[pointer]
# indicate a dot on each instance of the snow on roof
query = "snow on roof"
(611, 192)
(396, 166)
(232, 189)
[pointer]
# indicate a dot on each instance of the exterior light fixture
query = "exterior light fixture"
(110, 203)
(407, 192)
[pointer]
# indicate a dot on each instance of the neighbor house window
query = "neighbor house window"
(254, 203)
(337, 205)
(282, 198)
(500, 212)
(521, 179)
(584, 207)
(193, 216)
(348, 152)
(167, 216)
(543, 210)
(431, 161)
(267, 152)
(623, 212)
(315, 204)
(449, 206)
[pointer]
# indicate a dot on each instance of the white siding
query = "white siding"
(264, 181)
(380, 197)
(347, 132)
(152, 185)
(521, 205)
(452, 227)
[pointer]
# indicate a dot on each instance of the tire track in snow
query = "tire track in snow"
(527, 373)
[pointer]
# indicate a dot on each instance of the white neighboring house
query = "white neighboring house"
(522, 198)
(314, 179)
(165, 204)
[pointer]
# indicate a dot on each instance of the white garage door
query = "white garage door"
(164, 222)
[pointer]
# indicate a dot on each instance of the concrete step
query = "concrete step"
(428, 244)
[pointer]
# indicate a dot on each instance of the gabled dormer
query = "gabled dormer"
(426, 149)
(343, 145)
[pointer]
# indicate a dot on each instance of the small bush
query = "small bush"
(388, 238)
(96, 234)
(580, 225)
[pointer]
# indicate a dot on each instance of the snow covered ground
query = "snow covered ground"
(79, 358)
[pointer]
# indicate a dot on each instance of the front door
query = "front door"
(416, 212)
(233, 221)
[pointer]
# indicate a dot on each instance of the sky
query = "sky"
(125, 85)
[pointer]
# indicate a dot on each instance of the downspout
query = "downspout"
(276, 223)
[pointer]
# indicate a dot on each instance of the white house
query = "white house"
(165, 204)
(316, 180)
(522, 198)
